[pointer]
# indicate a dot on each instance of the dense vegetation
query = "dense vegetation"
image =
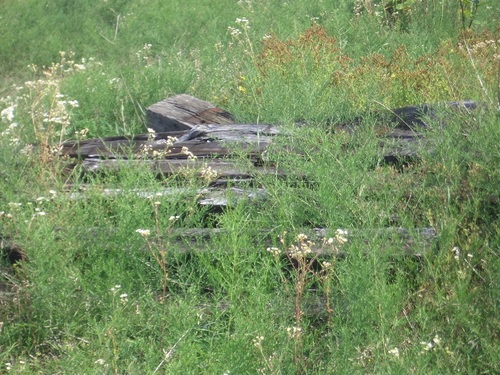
(102, 287)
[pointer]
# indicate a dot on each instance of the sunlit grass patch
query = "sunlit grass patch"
(115, 273)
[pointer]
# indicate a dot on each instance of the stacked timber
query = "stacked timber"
(184, 132)
(187, 133)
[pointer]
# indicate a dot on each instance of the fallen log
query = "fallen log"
(417, 117)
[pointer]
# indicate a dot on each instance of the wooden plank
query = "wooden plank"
(239, 133)
(318, 234)
(409, 120)
(416, 117)
(402, 146)
(113, 146)
(400, 129)
(182, 112)
(412, 242)
(223, 169)
(209, 196)
(201, 140)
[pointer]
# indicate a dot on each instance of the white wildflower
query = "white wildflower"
(326, 265)
(341, 236)
(144, 232)
(8, 113)
(80, 67)
(437, 340)
(115, 288)
(293, 332)
(274, 251)
(234, 31)
(123, 298)
(394, 352)
(257, 341)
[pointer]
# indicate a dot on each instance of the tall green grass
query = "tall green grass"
(93, 294)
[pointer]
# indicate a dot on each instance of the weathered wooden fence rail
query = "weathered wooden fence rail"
(413, 242)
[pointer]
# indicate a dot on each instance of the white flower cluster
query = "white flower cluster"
(243, 22)
(189, 154)
(430, 345)
(144, 232)
(208, 174)
(234, 31)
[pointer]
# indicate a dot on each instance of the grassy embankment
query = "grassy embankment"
(120, 302)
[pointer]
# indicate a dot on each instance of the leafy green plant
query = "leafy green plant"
(301, 260)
